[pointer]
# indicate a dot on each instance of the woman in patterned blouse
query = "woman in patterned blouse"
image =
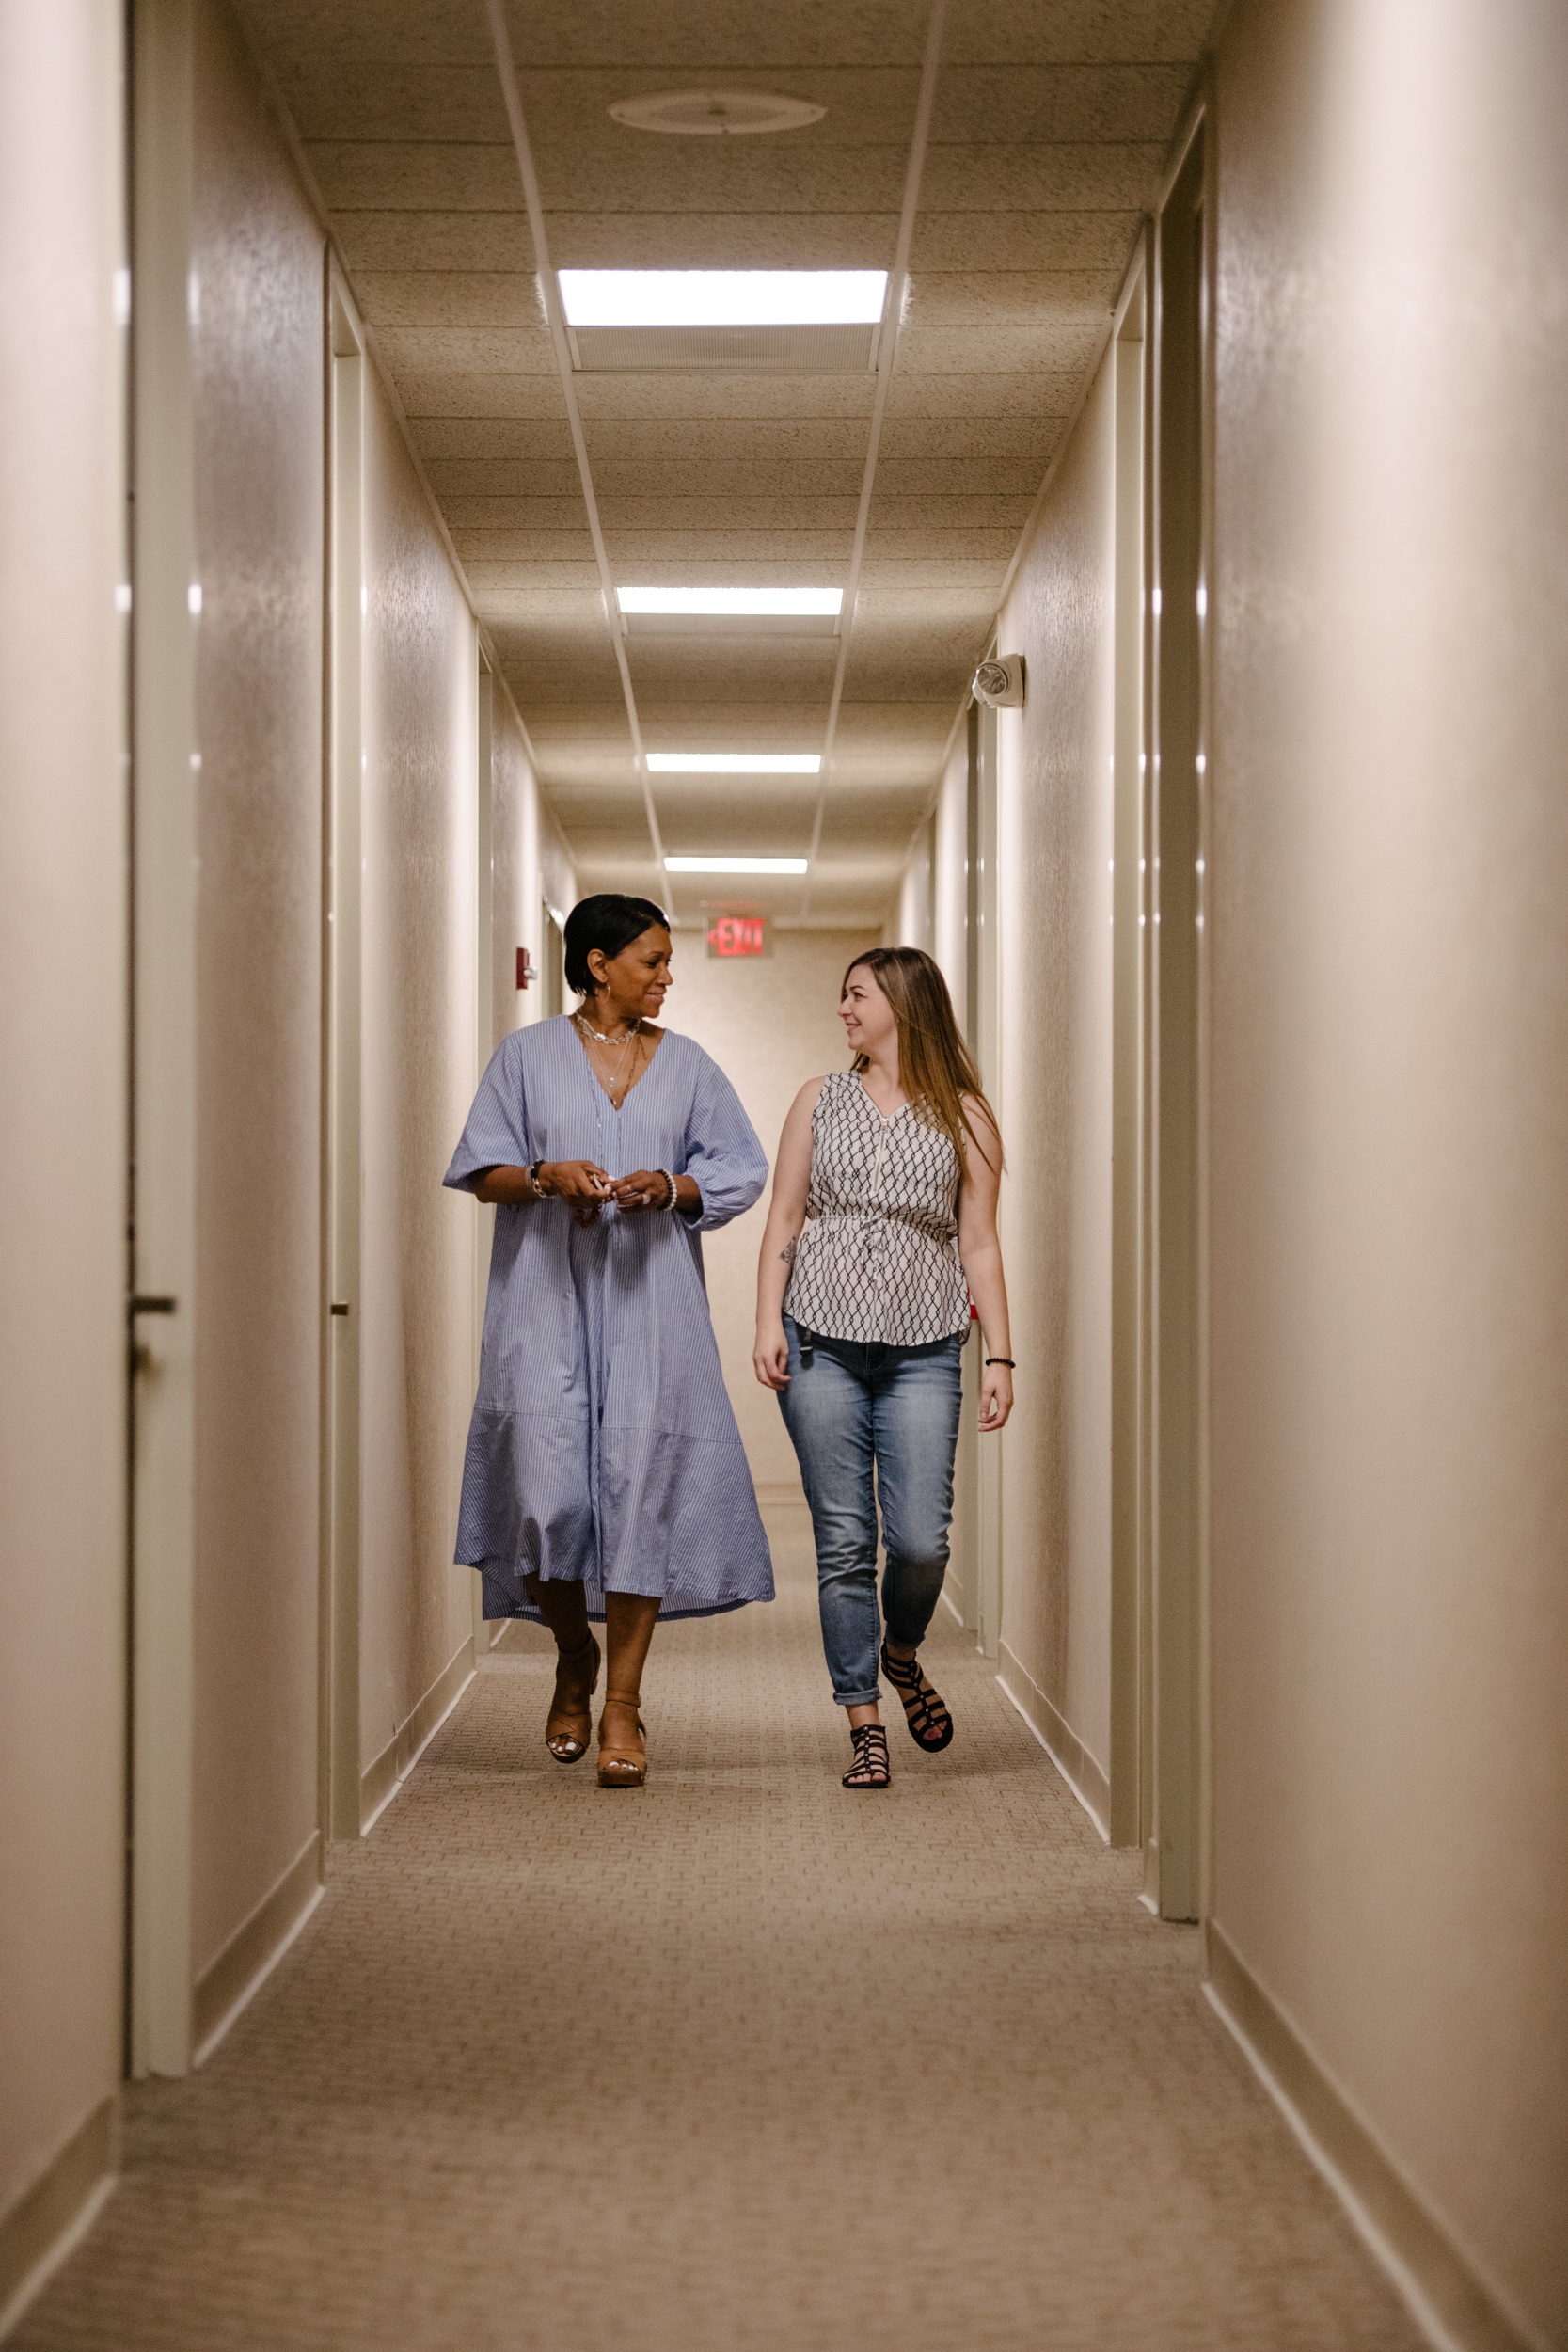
(882, 1230)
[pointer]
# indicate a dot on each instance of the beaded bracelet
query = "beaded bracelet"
(674, 1188)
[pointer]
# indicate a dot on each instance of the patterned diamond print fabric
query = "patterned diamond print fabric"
(879, 1255)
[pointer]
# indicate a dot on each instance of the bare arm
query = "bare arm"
(583, 1182)
(786, 1213)
(981, 1255)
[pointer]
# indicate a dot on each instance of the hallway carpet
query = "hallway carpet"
(743, 2064)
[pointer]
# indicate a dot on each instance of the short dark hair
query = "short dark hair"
(610, 922)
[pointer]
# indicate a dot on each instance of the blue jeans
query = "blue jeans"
(855, 1407)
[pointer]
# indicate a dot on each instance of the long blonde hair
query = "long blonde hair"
(936, 1069)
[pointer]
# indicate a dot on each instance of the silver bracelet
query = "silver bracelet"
(674, 1188)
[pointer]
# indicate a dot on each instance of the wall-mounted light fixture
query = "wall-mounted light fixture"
(1002, 683)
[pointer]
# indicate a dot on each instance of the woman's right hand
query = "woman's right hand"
(583, 1183)
(770, 1355)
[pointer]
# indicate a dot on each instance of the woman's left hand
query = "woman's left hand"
(996, 1395)
(646, 1190)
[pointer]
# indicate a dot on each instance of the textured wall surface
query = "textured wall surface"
(529, 864)
(1389, 1117)
(950, 884)
(420, 1072)
(769, 1025)
(1054, 839)
(515, 815)
(62, 1059)
(257, 267)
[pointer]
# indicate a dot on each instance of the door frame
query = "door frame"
(1132, 1743)
(487, 1033)
(342, 1300)
(1180, 701)
(983, 1466)
(164, 880)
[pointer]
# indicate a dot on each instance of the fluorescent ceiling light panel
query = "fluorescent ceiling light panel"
(734, 865)
(739, 600)
(734, 763)
(723, 297)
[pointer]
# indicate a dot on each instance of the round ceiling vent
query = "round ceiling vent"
(707, 114)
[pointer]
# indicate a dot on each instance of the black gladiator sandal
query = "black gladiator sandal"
(870, 1768)
(930, 1725)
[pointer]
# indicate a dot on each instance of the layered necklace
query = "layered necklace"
(615, 1078)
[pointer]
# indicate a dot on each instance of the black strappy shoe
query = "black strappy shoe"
(930, 1725)
(870, 1768)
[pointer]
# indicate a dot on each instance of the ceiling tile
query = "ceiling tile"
(1038, 105)
(1051, 121)
(450, 297)
(393, 176)
(343, 99)
(410, 240)
(1023, 32)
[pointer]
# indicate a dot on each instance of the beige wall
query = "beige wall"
(514, 867)
(911, 923)
(769, 1025)
(1054, 886)
(529, 864)
(1389, 1117)
(419, 929)
(949, 889)
(62, 1133)
(257, 264)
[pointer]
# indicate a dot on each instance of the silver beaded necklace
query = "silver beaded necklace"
(624, 1062)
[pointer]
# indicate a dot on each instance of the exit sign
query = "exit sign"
(738, 936)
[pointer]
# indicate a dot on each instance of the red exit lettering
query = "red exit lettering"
(738, 936)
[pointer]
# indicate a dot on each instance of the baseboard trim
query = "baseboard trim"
(508, 1627)
(780, 1494)
(229, 1983)
(1057, 1736)
(50, 2220)
(381, 1780)
(1438, 2285)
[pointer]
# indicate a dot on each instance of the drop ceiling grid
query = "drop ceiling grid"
(1050, 121)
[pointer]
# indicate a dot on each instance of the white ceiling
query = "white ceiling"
(1049, 120)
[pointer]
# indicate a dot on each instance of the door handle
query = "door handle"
(153, 1305)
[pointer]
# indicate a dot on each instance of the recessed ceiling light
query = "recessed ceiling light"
(736, 600)
(723, 297)
(734, 763)
(734, 865)
(714, 112)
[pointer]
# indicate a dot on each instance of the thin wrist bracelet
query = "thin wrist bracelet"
(674, 1188)
(1003, 1359)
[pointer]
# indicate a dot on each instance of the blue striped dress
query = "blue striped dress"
(604, 1448)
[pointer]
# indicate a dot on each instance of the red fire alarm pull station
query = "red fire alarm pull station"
(525, 969)
(738, 936)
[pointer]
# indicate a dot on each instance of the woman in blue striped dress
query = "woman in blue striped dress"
(605, 1476)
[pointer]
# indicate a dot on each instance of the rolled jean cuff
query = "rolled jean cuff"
(858, 1698)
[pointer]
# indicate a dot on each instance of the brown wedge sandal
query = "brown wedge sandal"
(569, 1724)
(622, 1762)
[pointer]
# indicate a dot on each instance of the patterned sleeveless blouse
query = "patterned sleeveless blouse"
(877, 1258)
